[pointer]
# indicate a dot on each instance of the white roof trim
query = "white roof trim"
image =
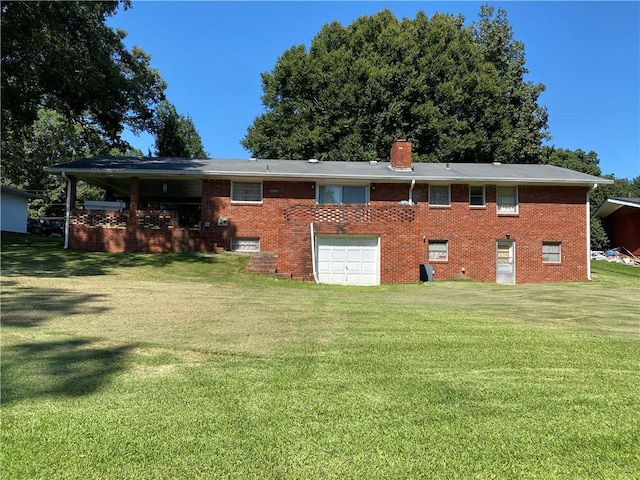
(610, 205)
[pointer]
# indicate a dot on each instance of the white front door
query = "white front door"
(505, 262)
(348, 259)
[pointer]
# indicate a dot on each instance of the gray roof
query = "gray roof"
(20, 193)
(153, 167)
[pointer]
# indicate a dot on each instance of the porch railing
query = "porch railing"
(100, 218)
(154, 219)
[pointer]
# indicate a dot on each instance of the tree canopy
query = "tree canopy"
(577, 160)
(176, 135)
(457, 92)
(62, 56)
(69, 87)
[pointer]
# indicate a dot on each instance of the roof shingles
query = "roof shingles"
(305, 170)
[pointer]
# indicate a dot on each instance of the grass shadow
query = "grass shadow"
(24, 306)
(59, 368)
(38, 256)
(50, 368)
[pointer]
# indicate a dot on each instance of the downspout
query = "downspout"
(413, 184)
(588, 205)
(67, 214)
(313, 254)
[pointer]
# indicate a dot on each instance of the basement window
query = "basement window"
(551, 252)
(240, 244)
(438, 250)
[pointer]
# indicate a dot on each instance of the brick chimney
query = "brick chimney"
(401, 155)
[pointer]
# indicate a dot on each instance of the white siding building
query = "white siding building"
(14, 209)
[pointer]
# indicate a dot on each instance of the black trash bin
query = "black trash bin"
(426, 273)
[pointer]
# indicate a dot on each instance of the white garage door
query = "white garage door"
(348, 260)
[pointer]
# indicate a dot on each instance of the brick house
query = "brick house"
(344, 222)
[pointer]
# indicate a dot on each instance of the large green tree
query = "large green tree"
(525, 121)
(54, 138)
(457, 92)
(176, 135)
(577, 160)
(61, 57)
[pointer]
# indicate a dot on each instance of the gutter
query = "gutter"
(413, 184)
(283, 175)
(313, 254)
(588, 209)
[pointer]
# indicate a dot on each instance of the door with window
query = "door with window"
(505, 262)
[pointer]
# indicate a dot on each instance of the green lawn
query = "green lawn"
(121, 366)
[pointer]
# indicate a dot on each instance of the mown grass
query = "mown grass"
(183, 366)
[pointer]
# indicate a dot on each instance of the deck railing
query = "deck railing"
(154, 219)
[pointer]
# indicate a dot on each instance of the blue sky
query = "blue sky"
(211, 54)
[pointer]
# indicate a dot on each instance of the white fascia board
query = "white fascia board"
(610, 205)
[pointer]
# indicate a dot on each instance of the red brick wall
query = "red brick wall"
(115, 240)
(545, 214)
(554, 214)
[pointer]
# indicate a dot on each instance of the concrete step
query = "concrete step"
(264, 263)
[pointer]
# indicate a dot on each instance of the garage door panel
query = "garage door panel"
(369, 256)
(324, 256)
(353, 267)
(348, 259)
(339, 255)
(354, 255)
(369, 268)
(369, 279)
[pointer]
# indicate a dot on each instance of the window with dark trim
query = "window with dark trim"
(439, 195)
(347, 194)
(476, 195)
(246, 192)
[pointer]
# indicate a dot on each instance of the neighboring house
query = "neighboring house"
(346, 222)
(14, 209)
(621, 220)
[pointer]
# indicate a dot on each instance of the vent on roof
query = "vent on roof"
(313, 160)
(496, 164)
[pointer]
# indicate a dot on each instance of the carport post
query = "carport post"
(72, 183)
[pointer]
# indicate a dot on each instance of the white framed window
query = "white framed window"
(250, 192)
(438, 250)
(240, 244)
(507, 200)
(551, 252)
(347, 194)
(476, 195)
(440, 195)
